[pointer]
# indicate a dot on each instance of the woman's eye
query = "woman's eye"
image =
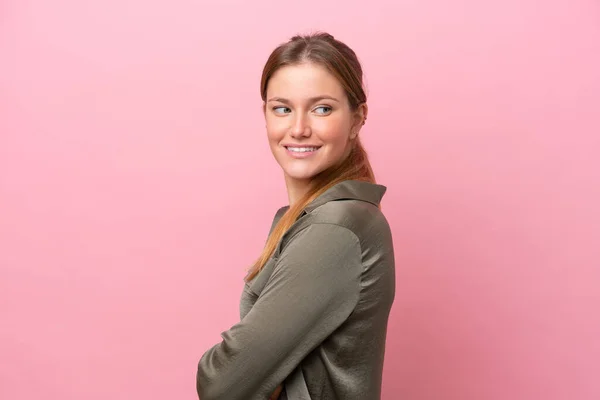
(323, 110)
(282, 110)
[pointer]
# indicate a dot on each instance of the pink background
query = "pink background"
(136, 186)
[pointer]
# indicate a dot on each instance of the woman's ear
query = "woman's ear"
(364, 110)
(360, 119)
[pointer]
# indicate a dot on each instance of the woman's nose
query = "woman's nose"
(300, 127)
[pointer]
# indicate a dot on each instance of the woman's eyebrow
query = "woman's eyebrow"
(311, 100)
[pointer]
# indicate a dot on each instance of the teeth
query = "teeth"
(302, 149)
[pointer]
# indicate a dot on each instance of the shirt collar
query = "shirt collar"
(350, 190)
(346, 190)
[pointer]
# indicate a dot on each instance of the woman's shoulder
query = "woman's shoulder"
(353, 214)
(363, 219)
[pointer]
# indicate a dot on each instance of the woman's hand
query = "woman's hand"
(276, 393)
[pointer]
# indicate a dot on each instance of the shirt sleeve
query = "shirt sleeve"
(314, 287)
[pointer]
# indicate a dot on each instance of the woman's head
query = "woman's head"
(314, 104)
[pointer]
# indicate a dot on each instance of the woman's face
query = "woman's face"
(310, 125)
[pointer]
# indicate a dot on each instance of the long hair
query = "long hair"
(341, 61)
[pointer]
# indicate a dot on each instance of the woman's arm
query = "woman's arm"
(314, 287)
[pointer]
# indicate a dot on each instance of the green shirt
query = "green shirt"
(315, 318)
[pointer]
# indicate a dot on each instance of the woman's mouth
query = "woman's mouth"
(301, 151)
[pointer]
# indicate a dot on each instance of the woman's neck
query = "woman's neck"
(296, 188)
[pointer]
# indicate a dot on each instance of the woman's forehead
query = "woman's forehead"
(304, 81)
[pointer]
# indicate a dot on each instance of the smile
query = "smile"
(301, 151)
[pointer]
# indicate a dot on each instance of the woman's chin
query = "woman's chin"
(300, 176)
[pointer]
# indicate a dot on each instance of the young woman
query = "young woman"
(315, 307)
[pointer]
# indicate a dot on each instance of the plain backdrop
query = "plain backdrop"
(136, 188)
